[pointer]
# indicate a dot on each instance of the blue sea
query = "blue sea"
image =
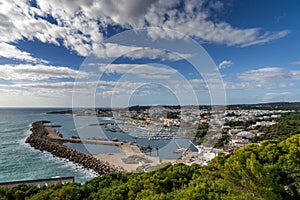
(19, 161)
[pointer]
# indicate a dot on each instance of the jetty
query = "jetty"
(126, 147)
(128, 159)
(45, 138)
(56, 136)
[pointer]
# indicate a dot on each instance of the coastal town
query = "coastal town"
(210, 131)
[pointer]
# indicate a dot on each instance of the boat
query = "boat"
(111, 129)
(180, 150)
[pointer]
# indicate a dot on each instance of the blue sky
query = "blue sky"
(127, 52)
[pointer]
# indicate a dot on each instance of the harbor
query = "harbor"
(131, 156)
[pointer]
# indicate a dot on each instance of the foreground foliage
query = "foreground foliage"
(269, 171)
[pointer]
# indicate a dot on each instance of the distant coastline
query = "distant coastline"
(109, 112)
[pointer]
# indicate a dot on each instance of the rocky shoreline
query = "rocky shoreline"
(39, 140)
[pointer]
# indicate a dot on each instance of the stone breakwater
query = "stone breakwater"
(39, 140)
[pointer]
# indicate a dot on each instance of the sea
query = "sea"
(19, 161)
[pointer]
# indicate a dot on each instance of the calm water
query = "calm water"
(18, 161)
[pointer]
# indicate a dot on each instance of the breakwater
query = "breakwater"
(39, 139)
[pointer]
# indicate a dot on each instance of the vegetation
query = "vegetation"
(173, 115)
(267, 171)
(239, 123)
(222, 140)
(201, 132)
(267, 106)
(287, 126)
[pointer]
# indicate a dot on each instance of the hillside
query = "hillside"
(269, 171)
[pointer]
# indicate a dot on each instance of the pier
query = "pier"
(45, 138)
(130, 157)
(53, 135)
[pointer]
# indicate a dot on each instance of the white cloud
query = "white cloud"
(194, 20)
(10, 51)
(37, 72)
(141, 70)
(113, 50)
(248, 85)
(265, 78)
(271, 96)
(60, 93)
(295, 63)
(157, 54)
(270, 74)
(295, 74)
(225, 64)
(265, 74)
(80, 25)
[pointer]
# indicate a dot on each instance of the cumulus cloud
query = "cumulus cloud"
(247, 85)
(270, 96)
(10, 51)
(295, 74)
(81, 25)
(194, 20)
(37, 72)
(78, 89)
(295, 63)
(113, 50)
(225, 64)
(141, 70)
(265, 74)
(157, 54)
(263, 78)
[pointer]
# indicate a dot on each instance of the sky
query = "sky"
(85, 53)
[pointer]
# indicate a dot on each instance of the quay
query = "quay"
(53, 135)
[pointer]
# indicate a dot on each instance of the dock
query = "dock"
(52, 134)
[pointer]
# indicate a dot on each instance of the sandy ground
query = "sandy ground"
(115, 159)
(126, 150)
(51, 132)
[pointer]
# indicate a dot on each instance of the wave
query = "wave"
(69, 165)
(62, 162)
(11, 130)
(3, 122)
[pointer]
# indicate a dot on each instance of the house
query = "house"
(246, 134)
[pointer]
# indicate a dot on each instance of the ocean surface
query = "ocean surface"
(19, 161)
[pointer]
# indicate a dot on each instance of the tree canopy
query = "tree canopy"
(270, 170)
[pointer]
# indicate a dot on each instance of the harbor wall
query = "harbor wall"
(39, 140)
